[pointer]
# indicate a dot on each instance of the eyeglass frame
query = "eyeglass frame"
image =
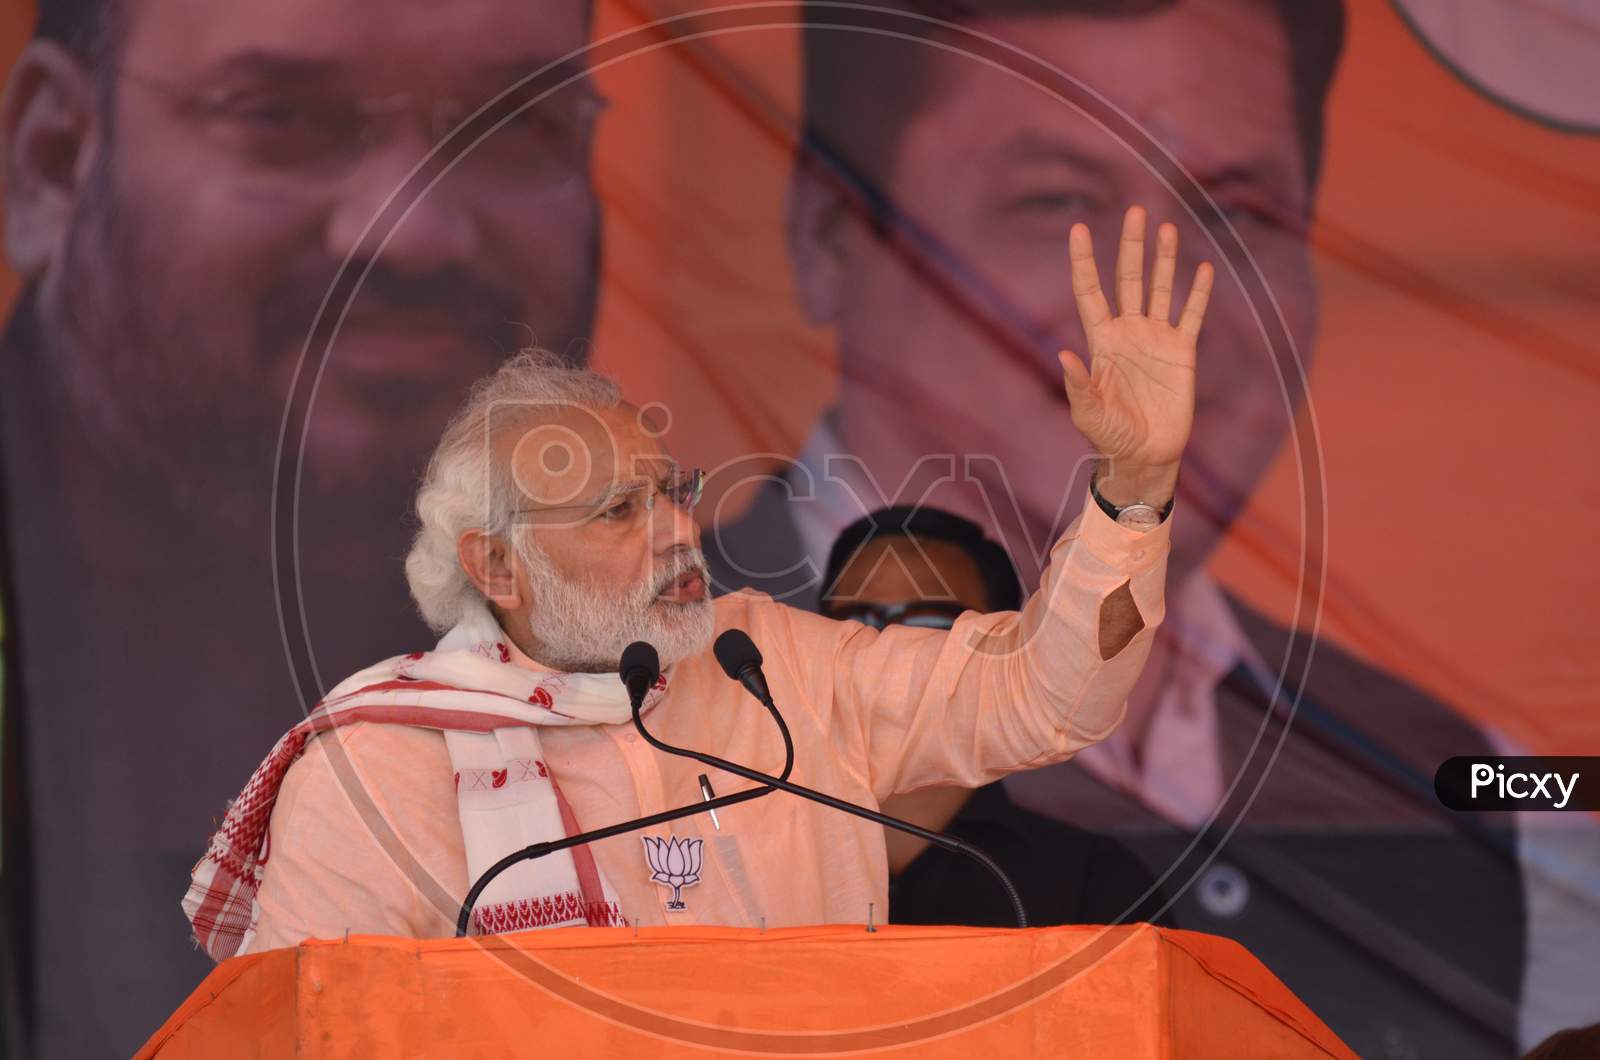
(895, 614)
(692, 479)
(210, 105)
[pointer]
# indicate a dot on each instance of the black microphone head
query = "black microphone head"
(639, 665)
(736, 653)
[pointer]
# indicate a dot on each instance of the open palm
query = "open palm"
(1136, 405)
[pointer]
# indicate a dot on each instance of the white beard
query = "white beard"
(581, 628)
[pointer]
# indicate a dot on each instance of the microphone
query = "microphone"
(741, 660)
(640, 668)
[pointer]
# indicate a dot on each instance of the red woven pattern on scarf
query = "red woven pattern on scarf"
(237, 844)
(526, 913)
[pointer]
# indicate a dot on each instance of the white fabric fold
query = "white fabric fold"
(490, 710)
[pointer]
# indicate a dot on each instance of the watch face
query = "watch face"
(1139, 517)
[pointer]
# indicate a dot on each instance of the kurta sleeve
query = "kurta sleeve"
(364, 838)
(1000, 692)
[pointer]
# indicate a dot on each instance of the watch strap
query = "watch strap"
(1113, 512)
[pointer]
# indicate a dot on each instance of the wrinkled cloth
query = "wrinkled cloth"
(366, 837)
(488, 709)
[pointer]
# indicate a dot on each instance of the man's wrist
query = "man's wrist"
(1122, 484)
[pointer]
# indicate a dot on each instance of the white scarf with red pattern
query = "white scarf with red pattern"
(490, 710)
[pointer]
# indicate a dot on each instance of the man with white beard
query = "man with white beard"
(545, 550)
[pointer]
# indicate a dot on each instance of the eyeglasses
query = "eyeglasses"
(317, 131)
(626, 505)
(925, 614)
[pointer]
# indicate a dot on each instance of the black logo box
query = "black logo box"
(1555, 782)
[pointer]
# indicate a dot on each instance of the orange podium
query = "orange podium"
(1125, 992)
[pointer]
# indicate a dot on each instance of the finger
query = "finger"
(1161, 279)
(1130, 263)
(1092, 308)
(1194, 310)
(1076, 375)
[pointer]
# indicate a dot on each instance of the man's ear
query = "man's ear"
(52, 133)
(816, 221)
(487, 562)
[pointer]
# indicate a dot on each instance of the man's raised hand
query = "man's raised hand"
(1137, 404)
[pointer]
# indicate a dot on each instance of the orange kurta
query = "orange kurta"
(871, 714)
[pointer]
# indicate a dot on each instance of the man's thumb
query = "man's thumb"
(1077, 378)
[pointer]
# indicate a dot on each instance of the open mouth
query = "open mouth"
(689, 587)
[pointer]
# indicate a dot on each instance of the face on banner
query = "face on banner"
(231, 159)
(183, 186)
(992, 172)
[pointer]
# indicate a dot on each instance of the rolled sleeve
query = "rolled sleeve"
(1010, 690)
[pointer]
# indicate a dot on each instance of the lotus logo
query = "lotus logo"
(674, 862)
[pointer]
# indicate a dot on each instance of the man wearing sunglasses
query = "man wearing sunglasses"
(923, 567)
(555, 530)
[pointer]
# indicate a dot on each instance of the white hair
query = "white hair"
(465, 488)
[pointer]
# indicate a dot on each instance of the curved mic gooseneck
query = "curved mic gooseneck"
(742, 661)
(539, 850)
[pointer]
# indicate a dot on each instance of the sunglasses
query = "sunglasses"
(925, 614)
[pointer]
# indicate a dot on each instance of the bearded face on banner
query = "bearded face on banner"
(182, 204)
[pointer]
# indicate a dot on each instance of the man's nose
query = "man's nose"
(673, 527)
(415, 224)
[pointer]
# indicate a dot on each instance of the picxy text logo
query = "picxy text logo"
(1565, 782)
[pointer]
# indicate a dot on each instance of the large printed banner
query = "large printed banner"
(258, 252)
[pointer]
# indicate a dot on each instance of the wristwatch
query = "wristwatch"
(1136, 516)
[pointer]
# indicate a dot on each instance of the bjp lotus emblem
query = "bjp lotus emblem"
(674, 862)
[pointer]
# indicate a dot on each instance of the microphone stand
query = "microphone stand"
(539, 850)
(948, 842)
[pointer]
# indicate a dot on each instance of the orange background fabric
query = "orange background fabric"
(1454, 380)
(1455, 375)
(1132, 992)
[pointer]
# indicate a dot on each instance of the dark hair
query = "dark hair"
(79, 25)
(860, 87)
(1574, 1043)
(87, 27)
(1001, 588)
